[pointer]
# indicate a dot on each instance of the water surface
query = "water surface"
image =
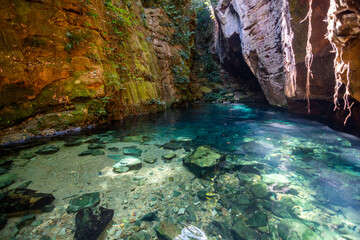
(310, 175)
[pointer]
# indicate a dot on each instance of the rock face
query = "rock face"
(70, 63)
(261, 32)
(345, 24)
(345, 37)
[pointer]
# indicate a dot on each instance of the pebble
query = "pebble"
(181, 211)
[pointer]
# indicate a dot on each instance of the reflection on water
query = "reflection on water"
(281, 177)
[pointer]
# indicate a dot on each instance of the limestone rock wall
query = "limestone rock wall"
(73, 62)
(260, 30)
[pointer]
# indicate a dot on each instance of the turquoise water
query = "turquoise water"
(282, 177)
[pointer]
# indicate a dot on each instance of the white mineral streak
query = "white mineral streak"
(266, 41)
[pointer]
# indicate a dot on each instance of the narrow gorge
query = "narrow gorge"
(179, 119)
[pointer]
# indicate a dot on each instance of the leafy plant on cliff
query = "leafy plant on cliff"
(179, 13)
(180, 72)
(75, 38)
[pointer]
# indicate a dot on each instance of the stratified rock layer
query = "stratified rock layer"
(75, 62)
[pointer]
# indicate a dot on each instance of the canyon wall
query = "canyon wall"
(260, 33)
(70, 63)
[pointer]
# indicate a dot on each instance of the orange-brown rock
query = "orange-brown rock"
(68, 63)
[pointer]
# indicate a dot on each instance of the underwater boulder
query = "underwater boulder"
(260, 190)
(203, 160)
(173, 145)
(295, 229)
(241, 231)
(219, 229)
(167, 231)
(127, 163)
(91, 222)
(21, 199)
(132, 151)
(47, 150)
(92, 152)
(83, 201)
(7, 179)
(96, 146)
(169, 156)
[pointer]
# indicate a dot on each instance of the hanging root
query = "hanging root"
(340, 67)
(309, 56)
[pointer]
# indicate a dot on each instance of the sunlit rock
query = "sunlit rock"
(202, 160)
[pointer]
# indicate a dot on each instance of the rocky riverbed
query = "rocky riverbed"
(171, 181)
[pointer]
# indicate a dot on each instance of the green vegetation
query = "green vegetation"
(75, 38)
(210, 69)
(179, 13)
(181, 72)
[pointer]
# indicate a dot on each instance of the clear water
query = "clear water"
(312, 175)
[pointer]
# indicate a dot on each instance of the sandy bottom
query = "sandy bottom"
(66, 175)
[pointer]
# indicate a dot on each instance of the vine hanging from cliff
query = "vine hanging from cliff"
(340, 67)
(309, 55)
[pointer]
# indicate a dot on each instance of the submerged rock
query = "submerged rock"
(219, 229)
(150, 217)
(113, 149)
(91, 222)
(260, 190)
(92, 152)
(150, 160)
(236, 162)
(242, 231)
(167, 231)
(47, 150)
(173, 145)
(129, 162)
(25, 221)
(202, 160)
(96, 146)
(169, 156)
(132, 151)
(7, 179)
(274, 178)
(83, 201)
(20, 199)
(258, 219)
(278, 208)
(73, 143)
(138, 138)
(116, 157)
(294, 229)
